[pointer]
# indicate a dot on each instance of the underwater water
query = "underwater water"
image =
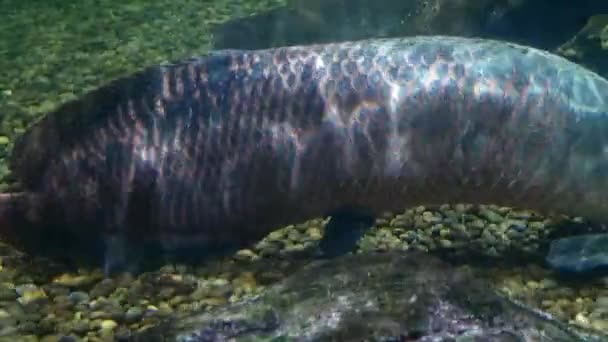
(53, 52)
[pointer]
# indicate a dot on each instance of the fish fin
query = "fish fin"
(343, 231)
(130, 223)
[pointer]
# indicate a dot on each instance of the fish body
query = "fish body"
(224, 148)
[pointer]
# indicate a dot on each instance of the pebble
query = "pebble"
(548, 284)
(445, 243)
(314, 233)
(246, 254)
(7, 292)
(103, 288)
(277, 234)
(6, 320)
(601, 303)
(30, 294)
(133, 314)
(108, 324)
(72, 280)
(50, 338)
(81, 327)
(582, 320)
(490, 215)
(79, 297)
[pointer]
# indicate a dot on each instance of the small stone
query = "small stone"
(276, 235)
(518, 225)
(492, 251)
(268, 248)
(314, 233)
(4, 314)
(548, 284)
(294, 247)
(488, 238)
(54, 290)
(217, 282)
(151, 310)
(164, 308)
(294, 236)
(445, 243)
(461, 208)
(7, 292)
(245, 282)
(29, 338)
(108, 324)
(522, 215)
(538, 225)
(80, 327)
(99, 315)
(490, 215)
(444, 232)
(479, 224)
(74, 280)
(213, 301)
(4, 140)
(533, 285)
(134, 314)
(600, 325)
(6, 320)
(123, 334)
(27, 327)
(601, 302)
(30, 294)
(166, 293)
(246, 254)
(50, 338)
(103, 288)
(79, 297)
(124, 279)
(547, 303)
(176, 300)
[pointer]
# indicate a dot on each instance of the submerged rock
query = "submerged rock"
(542, 23)
(580, 254)
(380, 297)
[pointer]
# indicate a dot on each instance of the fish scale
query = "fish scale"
(226, 147)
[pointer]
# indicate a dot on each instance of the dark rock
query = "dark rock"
(103, 288)
(542, 23)
(78, 297)
(586, 253)
(7, 293)
(372, 297)
(133, 314)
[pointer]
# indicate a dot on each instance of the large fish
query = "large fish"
(224, 148)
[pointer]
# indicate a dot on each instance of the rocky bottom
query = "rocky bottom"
(503, 247)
